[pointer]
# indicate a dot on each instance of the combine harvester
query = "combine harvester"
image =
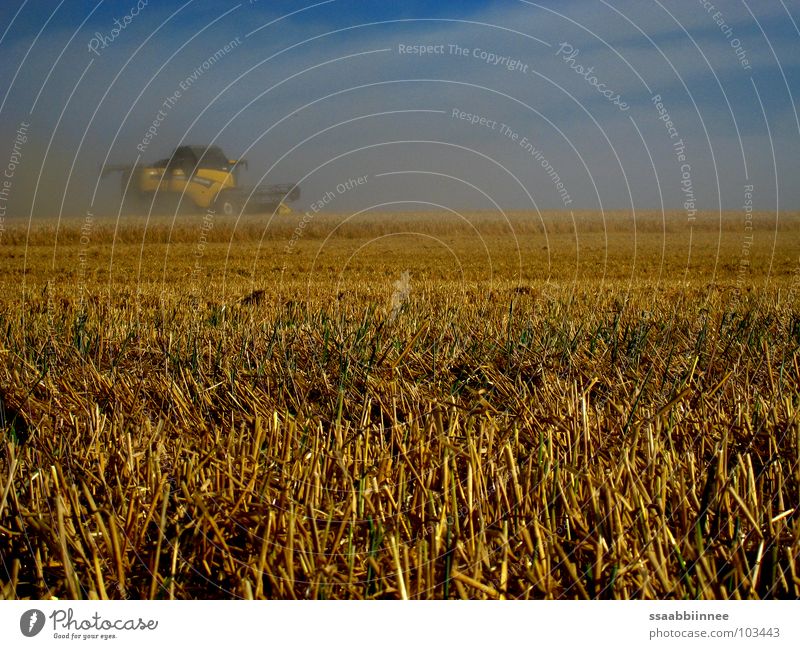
(205, 178)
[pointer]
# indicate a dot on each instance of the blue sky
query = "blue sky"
(325, 94)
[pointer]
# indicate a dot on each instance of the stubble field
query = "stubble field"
(401, 405)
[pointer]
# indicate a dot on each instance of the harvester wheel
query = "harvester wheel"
(227, 205)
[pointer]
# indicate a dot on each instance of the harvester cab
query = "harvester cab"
(205, 177)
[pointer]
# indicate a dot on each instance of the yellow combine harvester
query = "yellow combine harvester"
(205, 178)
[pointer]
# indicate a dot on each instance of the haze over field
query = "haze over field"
(499, 95)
